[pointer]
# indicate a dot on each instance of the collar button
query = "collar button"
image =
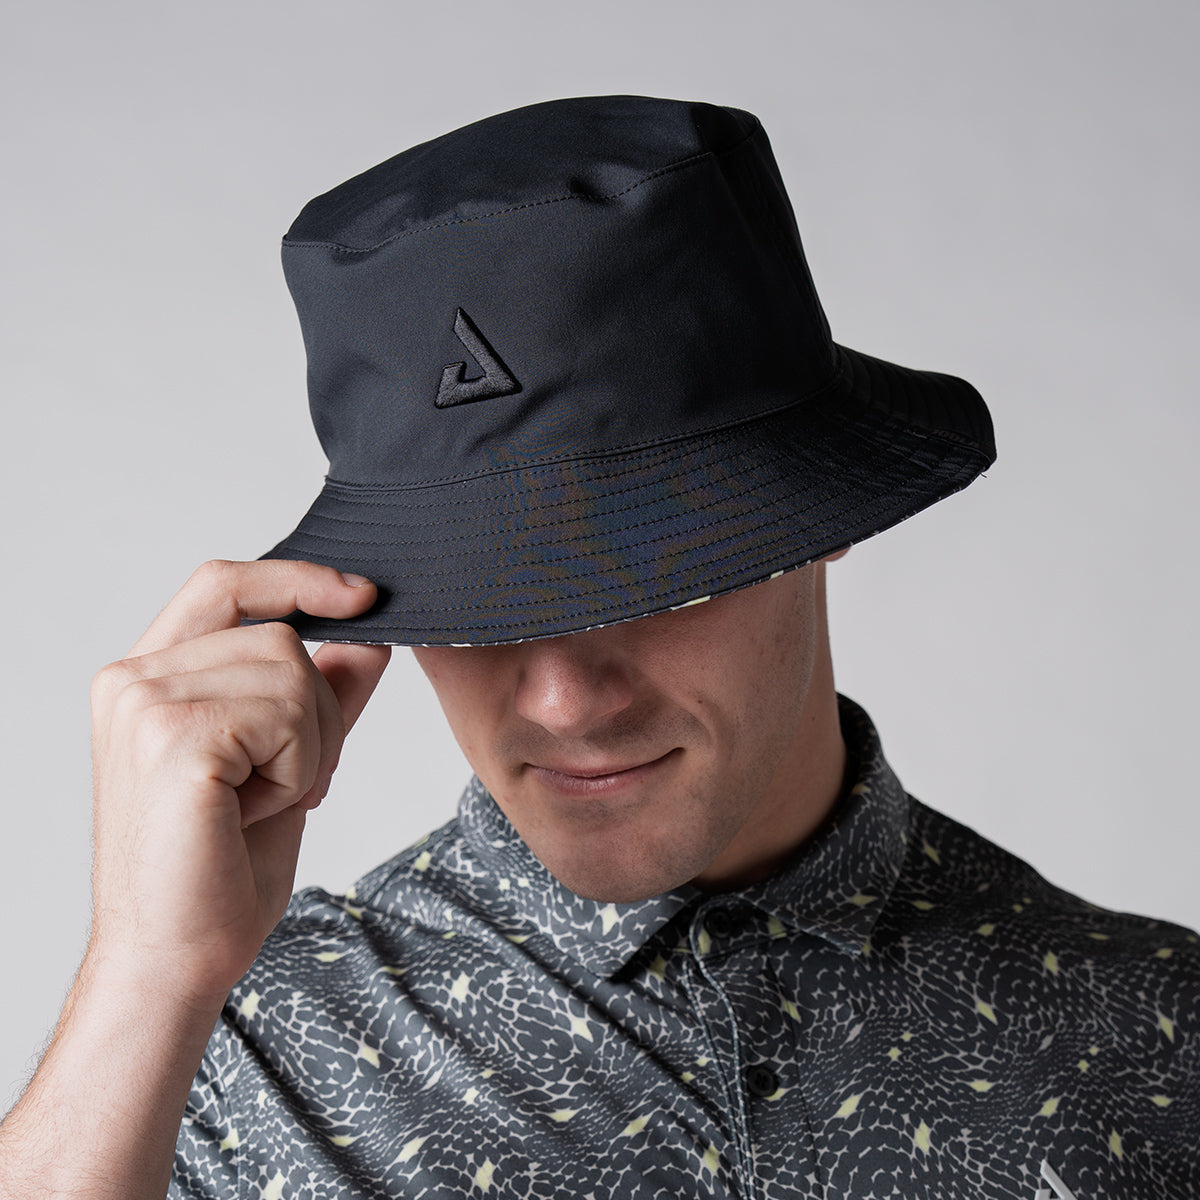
(719, 923)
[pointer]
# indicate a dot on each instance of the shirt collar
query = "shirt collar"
(600, 936)
(840, 882)
(834, 888)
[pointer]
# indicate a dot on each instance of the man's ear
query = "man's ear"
(836, 555)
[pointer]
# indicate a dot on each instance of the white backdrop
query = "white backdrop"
(1008, 192)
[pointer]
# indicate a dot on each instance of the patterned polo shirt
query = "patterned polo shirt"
(906, 1010)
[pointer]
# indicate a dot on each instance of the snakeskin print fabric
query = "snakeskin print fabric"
(905, 1011)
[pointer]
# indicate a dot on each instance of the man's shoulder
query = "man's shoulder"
(395, 911)
(956, 882)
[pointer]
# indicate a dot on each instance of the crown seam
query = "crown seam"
(683, 164)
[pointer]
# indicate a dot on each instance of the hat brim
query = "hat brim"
(573, 544)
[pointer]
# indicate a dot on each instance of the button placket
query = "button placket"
(712, 958)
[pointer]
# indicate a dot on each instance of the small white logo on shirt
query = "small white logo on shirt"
(1057, 1189)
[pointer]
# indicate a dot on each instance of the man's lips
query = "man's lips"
(591, 779)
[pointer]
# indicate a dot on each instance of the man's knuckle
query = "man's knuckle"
(108, 682)
(158, 729)
(211, 578)
(214, 583)
(281, 641)
(294, 711)
(216, 570)
(295, 680)
(138, 702)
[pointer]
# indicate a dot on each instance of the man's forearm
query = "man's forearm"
(101, 1116)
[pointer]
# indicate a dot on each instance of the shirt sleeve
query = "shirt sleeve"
(206, 1153)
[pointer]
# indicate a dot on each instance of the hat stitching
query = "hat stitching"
(566, 612)
(608, 511)
(833, 517)
(657, 603)
(816, 535)
(543, 464)
(531, 621)
(683, 164)
(951, 478)
(902, 456)
(445, 545)
(536, 489)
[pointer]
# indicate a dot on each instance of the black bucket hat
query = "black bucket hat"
(569, 368)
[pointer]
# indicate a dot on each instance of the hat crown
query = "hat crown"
(631, 266)
(590, 148)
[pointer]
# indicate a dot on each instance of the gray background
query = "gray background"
(1006, 191)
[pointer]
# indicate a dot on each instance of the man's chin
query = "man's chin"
(615, 882)
(603, 893)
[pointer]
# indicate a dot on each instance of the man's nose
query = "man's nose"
(572, 685)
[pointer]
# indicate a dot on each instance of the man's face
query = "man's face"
(634, 758)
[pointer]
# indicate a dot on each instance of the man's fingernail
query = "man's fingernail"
(355, 580)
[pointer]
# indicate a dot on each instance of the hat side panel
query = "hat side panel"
(662, 313)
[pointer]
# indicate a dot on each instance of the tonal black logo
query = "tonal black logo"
(496, 380)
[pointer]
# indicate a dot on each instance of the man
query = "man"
(592, 443)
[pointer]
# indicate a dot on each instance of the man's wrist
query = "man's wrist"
(181, 992)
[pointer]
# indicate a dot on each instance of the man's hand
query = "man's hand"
(210, 744)
(211, 741)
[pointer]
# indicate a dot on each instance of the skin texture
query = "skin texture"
(211, 743)
(698, 745)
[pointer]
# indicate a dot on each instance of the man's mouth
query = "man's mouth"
(595, 779)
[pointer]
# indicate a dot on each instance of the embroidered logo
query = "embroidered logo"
(1057, 1189)
(496, 380)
